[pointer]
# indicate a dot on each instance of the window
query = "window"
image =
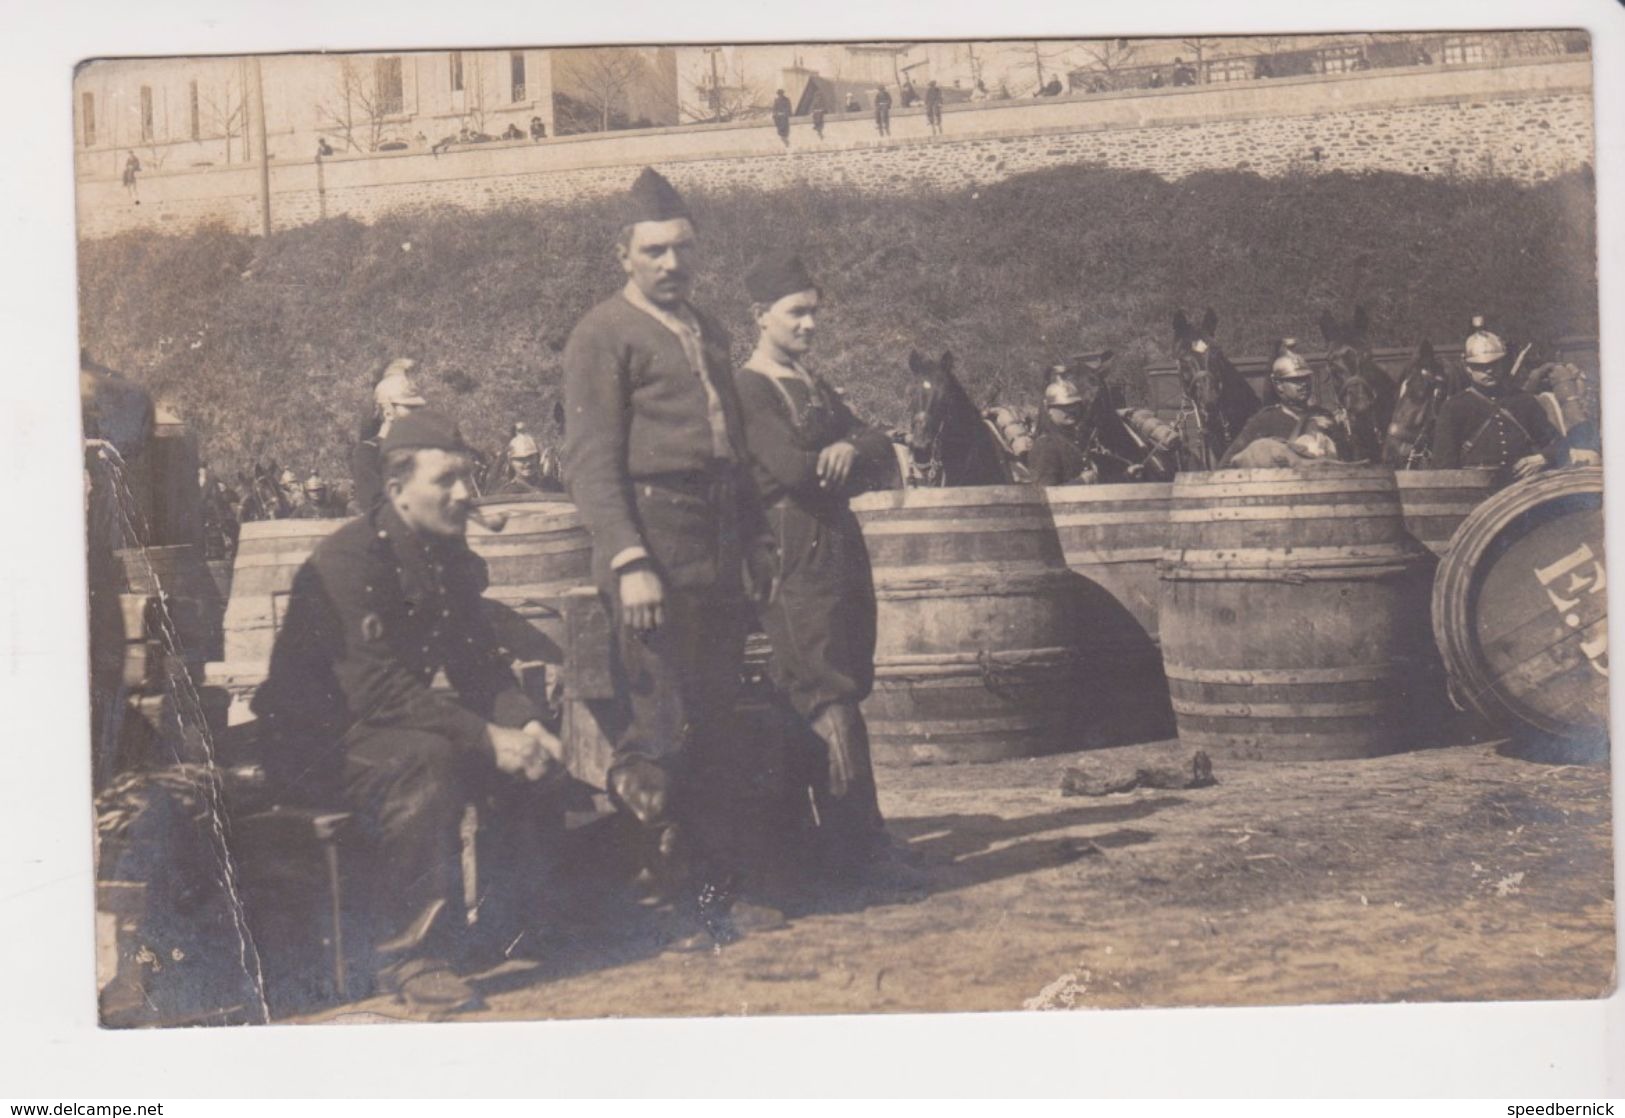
(1230, 70)
(1339, 60)
(456, 63)
(146, 112)
(516, 73)
(87, 114)
(1463, 50)
(386, 82)
(196, 118)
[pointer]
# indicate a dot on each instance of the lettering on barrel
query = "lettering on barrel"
(1566, 597)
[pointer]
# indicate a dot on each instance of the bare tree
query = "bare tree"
(1032, 54)
(601, 77)
(228, 112)
(1200, 48)
(1108, 56)
(353, 108)
(723, 94)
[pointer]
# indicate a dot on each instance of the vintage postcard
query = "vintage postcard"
(845, 528)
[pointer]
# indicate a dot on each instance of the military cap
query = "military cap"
(652, 198)
(776, 275)
(424, 429)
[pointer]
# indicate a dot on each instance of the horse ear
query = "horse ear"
(1424, 355)
(1361, 321)
(1210, 322)
(915, 362)
(1328, 327)
(946, 361)
(1182, 325)
(1107, 356)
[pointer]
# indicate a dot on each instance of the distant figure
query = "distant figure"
(419, 140)
(538, 130)
(1156, 80)
(512, 132)
(1052, 88)
(524, 465)
(911, 96)
(323, 148)
(1423, 58)
(781, 116)
(933, 107)
(882, 111)
(132, 165)
(979, 91)
(315, 505)
(853, 105)
(1183, 74)
(444, 144)
(818, 119)
(1362, 62)
(394, 396)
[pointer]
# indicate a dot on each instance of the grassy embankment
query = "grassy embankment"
(269, 348)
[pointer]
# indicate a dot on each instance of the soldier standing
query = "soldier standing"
(1291, 415)
(348, 714)
(653, 458)
(933, 106)
(1056, 457)
(807, 449)
(396, 394)
(1492, 423)
(882, 111)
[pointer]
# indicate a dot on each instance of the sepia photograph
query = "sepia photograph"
(844, 527)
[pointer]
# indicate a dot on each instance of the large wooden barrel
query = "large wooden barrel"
(1112, 537)
(976, 651)
(543, 552)
(1435, 502)
(1520, 609)
(1284, 633)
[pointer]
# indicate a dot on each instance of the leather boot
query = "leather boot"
(848, 809)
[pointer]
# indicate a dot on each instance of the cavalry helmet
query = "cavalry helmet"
(315, 484)
(523, 446)
(1061, 392)
(1483, 347)
(288, 480)
(1289, 366)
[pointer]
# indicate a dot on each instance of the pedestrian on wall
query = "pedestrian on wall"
(882, 111)
(781, 116)
(538, 130)
(132, 167)
(853, 105)
(323, 148)
(818, 119)
(933, 107)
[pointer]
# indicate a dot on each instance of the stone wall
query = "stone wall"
(1527, 120)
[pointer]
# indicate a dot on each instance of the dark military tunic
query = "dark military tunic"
(1474, 429)
(367, 471)
(822, 622)
(1056, 458)
(348, 714)
(1281, 422)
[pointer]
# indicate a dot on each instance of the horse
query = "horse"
(1217, 396)
(265, 500)
(1363, 392)
(948, 442)
(1115, 450)
(1424, 387)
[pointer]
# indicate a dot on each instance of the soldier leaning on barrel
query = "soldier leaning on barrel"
(1292, 416)
(807, 449)
(394, 396)
(349, 716)
(1493, 423)
(654, 457)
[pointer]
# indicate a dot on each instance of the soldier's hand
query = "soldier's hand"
(835, 464)
(552, 762)
(517, 751)
(1528, 467)
(643, 600)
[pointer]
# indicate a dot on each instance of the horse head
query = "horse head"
(1200, 359)
(1425, 385)
(948, 439)
(928, 398)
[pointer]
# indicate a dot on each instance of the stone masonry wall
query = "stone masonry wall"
(1526, 121)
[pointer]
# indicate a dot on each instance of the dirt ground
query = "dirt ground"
(1459, 873)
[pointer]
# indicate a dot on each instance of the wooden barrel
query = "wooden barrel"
(542, 552)
(1435, 502)
(976, 654)
(1113, 536)
(1284, 633)
(1520, 610)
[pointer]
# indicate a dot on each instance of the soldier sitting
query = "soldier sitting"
(1290, 416)
(348, 714)
(1492, 423)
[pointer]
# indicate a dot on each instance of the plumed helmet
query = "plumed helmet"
(1483, 346)
(1061, 392)
(523, 446)
(315, 484)
(288, 479)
